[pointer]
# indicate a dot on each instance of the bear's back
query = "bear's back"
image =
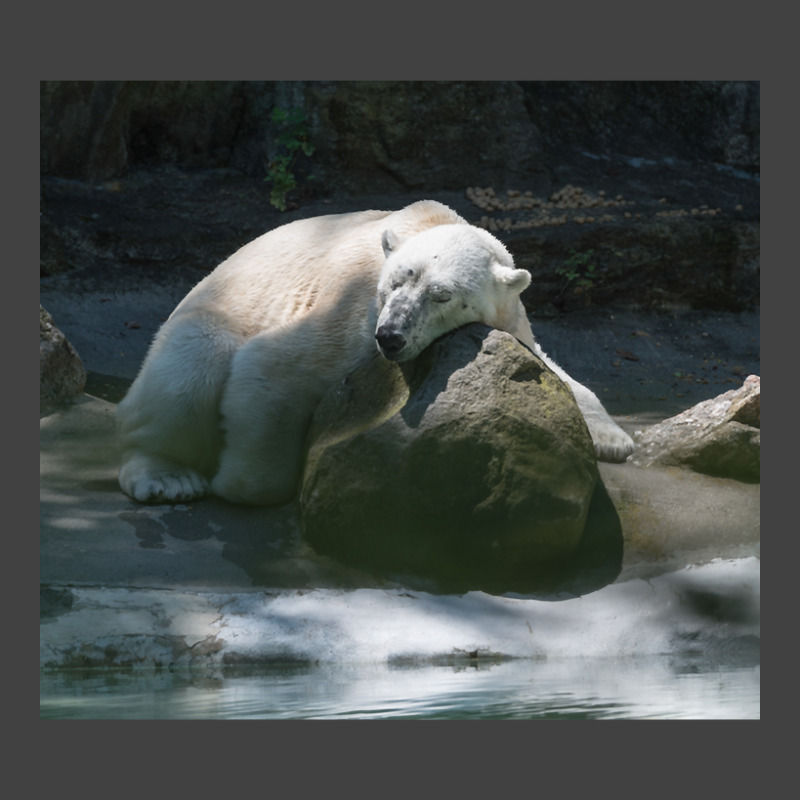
(329, 263)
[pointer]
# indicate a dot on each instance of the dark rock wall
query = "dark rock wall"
(691, 120)
(423, 135)
(382, 136)
(97, 130)
(164, 177)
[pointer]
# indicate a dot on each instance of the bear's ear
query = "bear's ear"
(390, 241)
(515, 280)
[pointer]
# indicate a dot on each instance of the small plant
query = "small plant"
(292, 139)
(578, 270)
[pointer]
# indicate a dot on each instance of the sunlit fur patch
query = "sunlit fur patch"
(303, 302)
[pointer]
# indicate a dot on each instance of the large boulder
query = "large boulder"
(471, 466)
(720, 436)
(62, 376)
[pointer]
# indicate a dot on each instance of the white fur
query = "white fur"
(224, 398)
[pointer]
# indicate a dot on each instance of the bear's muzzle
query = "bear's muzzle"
(390, 343)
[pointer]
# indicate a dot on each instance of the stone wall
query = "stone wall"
(384, 136)
(639, 194)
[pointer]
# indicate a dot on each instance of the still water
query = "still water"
(652, 688)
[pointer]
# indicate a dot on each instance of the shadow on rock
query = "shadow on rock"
(598, 559)
(595, 563)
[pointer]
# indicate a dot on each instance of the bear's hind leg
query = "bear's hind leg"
(611, 443)
(168, 423)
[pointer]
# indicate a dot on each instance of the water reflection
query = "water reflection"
(571, 689)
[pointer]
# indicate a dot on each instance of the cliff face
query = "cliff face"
(385, 136)
(624, 194)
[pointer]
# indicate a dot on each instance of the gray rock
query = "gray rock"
(720, 436)
(62, 376)
(472, 464)
(671, 517)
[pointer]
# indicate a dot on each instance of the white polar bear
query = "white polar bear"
(225, 396)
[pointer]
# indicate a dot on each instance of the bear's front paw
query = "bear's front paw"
(611, 443)
(155, 481)
(175, 488)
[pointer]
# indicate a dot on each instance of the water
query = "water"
(652, 688)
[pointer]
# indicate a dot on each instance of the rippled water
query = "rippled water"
(575, 689)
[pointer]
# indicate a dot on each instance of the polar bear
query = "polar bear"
(226, 393)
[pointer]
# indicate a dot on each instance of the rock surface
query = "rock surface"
(720, 436)
(62, 376)
(472, 464)
(167, 178)
(711, 611)
(375, 136)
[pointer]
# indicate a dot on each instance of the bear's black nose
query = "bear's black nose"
(390, 342)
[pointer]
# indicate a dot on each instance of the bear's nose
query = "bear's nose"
(390, 342)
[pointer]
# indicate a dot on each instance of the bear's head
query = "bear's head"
(440, 279)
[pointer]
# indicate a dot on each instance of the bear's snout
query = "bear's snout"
(390, 342)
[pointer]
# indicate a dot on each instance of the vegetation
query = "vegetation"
(292, 140)
(578, 271)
